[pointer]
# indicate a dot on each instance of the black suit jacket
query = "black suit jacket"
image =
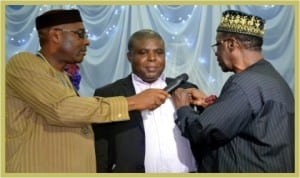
(120, 146)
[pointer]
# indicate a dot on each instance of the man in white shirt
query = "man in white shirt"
(150, 142)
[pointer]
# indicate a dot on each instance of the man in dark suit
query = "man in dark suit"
(250, 127)
(150, 141)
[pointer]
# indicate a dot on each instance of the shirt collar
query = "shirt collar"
(161, 78)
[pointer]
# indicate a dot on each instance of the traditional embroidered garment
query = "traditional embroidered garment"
(47, 124)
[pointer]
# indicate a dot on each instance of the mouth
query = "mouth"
(83, 52)
(151, 69)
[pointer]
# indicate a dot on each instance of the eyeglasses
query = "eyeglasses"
(81, 33)
(214, 47)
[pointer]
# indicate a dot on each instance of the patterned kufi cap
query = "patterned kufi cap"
(240, 22)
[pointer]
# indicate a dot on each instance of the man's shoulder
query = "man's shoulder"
(23, 56)
(112, 87)
(114, 84)
(182, 85)
(188, 85)
(23, 59)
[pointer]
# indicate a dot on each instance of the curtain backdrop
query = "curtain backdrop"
(188, 31)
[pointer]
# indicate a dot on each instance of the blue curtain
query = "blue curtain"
(188, 30)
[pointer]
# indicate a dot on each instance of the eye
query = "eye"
(160, 51)
(215, 46)
(81, 34)
(142, 51)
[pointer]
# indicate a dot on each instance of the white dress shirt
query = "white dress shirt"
(166, 150)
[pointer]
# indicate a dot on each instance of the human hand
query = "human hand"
(147, 99)
(185, 97)
(211, 99)
(200, 99)
(181, 97)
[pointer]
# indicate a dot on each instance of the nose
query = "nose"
(86, 42)
(151, 56)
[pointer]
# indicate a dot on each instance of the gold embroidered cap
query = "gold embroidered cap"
(240, 22)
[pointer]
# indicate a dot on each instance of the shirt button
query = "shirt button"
(119, 115)
(85, 130)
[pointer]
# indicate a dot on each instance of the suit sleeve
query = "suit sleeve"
(219, 122)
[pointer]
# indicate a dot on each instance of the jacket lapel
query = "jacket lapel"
(136, 116)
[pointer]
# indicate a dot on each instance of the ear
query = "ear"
(129, 56)
(54, 35)
(231, 43)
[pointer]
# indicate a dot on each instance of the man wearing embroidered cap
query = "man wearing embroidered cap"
(250, 126)
(48, 126)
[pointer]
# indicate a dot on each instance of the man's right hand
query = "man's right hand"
(148, 99)
(198, 98)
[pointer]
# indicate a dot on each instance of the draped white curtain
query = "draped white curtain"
(188, 32)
